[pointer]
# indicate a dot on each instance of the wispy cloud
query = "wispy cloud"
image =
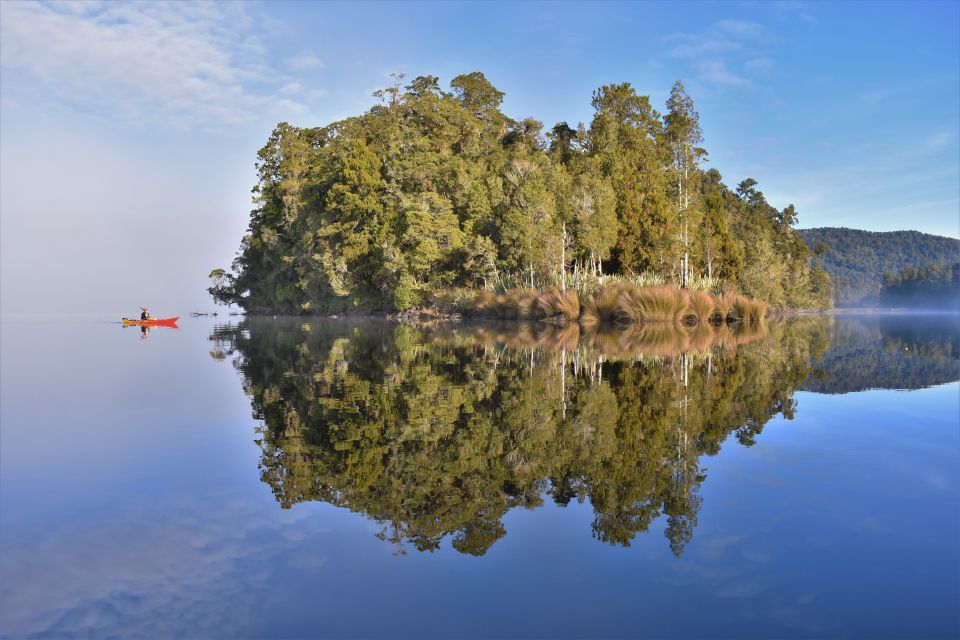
(801, 10)
(306, 62)
(700, 47)
(758, 65)
(182, 64)
(290, 89)
(716, 72)
(721, 47)
(939, 140)
(875, 96)
(741, 28)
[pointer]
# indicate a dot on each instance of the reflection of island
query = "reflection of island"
(888, 352)
(441, 432)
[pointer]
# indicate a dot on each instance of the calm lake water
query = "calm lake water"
(291, 478)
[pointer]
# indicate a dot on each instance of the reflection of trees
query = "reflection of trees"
(440, 432)
(888, 352)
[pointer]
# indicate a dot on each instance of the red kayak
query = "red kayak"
(152, 322)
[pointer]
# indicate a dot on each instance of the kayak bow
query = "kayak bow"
(152, 322)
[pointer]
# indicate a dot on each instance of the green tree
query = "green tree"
(626, 134)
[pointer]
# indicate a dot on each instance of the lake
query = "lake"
(304, 478)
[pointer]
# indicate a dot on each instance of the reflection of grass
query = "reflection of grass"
(622, 303)
(527, 335)
(620, 341)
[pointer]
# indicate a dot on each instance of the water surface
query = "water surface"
(291, 478)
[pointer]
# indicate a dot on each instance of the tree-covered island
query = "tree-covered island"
(434, 191)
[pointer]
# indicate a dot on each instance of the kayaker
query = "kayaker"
(146, 314)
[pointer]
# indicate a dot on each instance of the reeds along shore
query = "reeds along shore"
(622, 303)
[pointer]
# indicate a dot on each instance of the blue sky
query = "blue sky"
(129, 131)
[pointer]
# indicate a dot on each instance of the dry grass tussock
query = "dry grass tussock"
(554, 303)
(700, 308)
(513, 304)
(653, 304)
(600, 307)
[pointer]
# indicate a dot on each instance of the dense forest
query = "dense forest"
(433, 190)
(935, 286)
(436, 433)
(857, 260)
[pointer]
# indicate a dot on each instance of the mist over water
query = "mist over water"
(267, 478)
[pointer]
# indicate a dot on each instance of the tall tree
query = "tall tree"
(684, 137)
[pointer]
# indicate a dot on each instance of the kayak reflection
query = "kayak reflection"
(151, 325)
(152, 322)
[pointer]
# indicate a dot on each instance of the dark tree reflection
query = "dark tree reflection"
(438, 432)
(889, 352)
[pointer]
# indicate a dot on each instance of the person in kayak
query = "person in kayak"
(146, 314)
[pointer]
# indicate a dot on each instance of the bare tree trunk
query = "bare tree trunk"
(563, 381)
(563, 260)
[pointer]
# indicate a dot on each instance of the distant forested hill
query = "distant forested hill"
(857, 260)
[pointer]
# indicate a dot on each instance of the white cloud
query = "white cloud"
(178, 63)
(305, 62)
